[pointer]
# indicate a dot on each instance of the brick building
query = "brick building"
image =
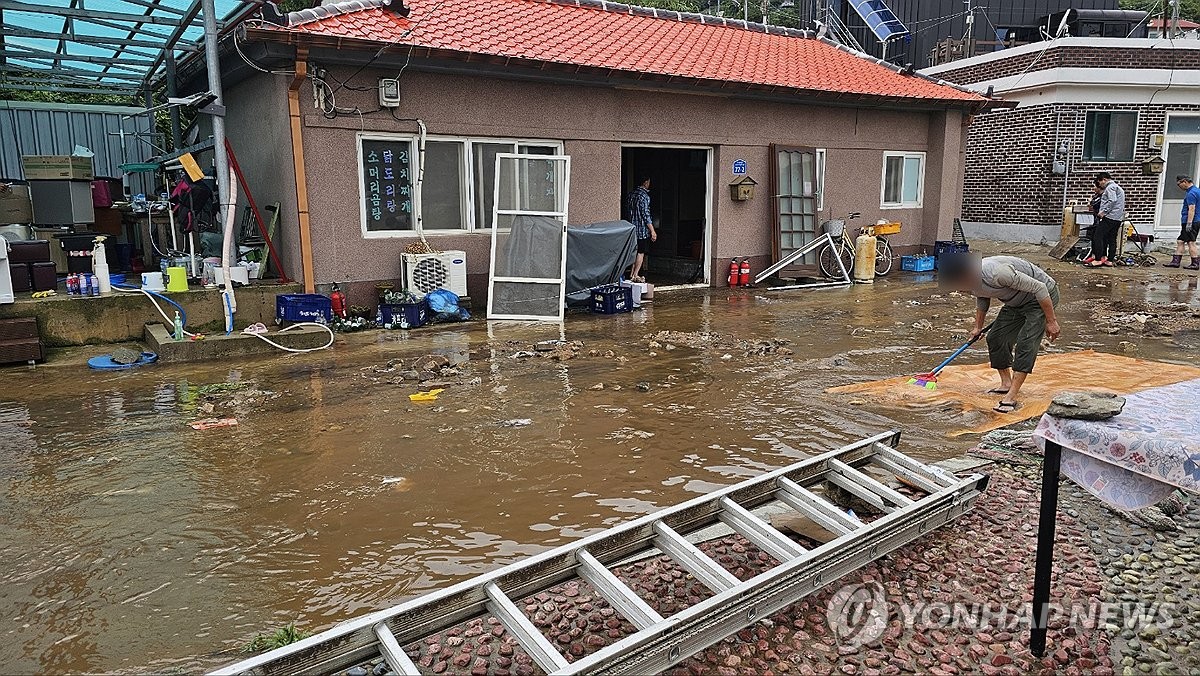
(1083, 105)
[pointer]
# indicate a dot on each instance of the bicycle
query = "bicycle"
(843, 247)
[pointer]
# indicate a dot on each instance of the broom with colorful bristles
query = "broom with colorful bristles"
(929, 380)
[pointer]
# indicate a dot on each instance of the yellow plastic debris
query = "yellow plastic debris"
(431, 395)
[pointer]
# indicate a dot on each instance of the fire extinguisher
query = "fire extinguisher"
(733, 272)
(338, 300)
(744, 277)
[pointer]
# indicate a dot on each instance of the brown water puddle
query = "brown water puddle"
(131, 542)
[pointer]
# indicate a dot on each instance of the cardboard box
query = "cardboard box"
(52, 167)
(15, 205)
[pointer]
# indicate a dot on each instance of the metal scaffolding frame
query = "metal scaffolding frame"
(118, 47)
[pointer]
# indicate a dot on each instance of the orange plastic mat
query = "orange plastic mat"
(961, 396)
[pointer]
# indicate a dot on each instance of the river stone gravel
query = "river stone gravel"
(985, 557)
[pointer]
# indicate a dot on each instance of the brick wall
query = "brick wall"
(1008, 164)
(1074, 57)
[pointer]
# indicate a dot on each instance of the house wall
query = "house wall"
(1032, 58)
(258, 128)
(593, 122)
(1008, 177)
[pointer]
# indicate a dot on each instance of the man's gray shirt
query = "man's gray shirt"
(1012, 281)
(1112, 202)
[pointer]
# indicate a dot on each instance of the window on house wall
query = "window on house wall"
(1183, 124)
(1109, 136)
(457, 192)
(903, 180)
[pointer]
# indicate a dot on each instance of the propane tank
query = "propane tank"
(864, 258)
(734, 274)
(338, 301)
(744, 275)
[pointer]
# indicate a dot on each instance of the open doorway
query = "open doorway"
(680, 205)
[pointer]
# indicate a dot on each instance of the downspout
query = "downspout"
(306, 257)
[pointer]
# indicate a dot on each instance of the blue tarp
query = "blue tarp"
(880, 18)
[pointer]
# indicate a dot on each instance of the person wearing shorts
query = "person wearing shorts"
(1029, 296)
(637, 211)
(1189, 225)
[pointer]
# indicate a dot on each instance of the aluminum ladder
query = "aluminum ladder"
(661, 642)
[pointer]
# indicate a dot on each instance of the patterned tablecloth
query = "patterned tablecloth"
(1138, 458)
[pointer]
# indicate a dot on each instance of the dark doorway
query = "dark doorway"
(679, 205)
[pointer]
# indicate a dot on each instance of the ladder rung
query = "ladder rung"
(759, 532)
(609, 586)
(930, 472)
(904, 475)
(395, 656)
(858, 490)
(694, 561)
(806, 502)
(544, 654)
(871, 484)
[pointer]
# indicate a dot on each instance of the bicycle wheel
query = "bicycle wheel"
(883, 257)
(828, 260)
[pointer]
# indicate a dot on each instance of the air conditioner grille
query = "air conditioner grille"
(430, 274)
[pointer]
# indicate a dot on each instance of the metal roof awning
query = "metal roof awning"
(98, 46)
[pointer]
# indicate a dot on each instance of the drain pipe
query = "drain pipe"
(302, 216)
(225, 191)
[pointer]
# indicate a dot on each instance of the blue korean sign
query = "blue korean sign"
(739, 167)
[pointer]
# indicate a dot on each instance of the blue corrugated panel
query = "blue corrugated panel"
(880, 18)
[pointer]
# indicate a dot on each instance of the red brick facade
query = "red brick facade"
(1074, 57)
(1008, 163)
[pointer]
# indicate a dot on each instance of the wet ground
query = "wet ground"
(132, 542)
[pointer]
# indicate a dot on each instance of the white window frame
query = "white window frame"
(883, 204)
(820, 162)
(468, 182)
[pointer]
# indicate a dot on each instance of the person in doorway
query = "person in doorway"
(1189, 222)
(1029, 296)
(1108, 223)
(637, 211)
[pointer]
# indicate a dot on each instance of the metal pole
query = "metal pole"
(1174, 20)
(173, 111)
(1044, 563)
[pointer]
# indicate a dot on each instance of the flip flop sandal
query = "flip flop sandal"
(1006, 407)
(998, 390)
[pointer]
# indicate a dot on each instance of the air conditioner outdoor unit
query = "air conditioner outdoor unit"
(423, 273)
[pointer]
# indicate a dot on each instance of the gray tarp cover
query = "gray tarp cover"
(597, 254)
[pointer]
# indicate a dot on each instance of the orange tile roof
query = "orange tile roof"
(588, 36)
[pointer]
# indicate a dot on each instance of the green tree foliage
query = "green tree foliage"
(1188, 9)
(777, 12)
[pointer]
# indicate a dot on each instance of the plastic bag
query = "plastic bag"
(444, 305)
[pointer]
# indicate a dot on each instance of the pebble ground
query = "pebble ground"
(986, 557)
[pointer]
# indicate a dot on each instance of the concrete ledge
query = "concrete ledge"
(1011, 232)
(69, 320)
(158, 339)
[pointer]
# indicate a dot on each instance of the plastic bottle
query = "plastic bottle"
(178, 326)
(83, 284)
(71, 284)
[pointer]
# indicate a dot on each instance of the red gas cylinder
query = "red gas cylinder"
(744, 276)
(338, 301)
(734, 274)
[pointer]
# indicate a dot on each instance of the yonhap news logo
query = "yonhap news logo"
(860, 615)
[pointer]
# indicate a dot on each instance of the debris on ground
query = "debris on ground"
(431, 395)
(712, 341)
(212, 423)
(422, 369)
(517, 422)
(1140, 317)
(557, 350)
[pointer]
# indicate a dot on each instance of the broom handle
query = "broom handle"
(960, 350)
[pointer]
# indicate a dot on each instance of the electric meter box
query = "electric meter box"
(389, 93)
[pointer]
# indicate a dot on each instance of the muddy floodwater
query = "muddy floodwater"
(131, 542)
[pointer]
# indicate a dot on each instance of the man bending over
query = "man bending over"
(1029, 296)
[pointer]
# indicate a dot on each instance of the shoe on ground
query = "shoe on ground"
(1195, 265)
(1175, 262)
(1106, 263)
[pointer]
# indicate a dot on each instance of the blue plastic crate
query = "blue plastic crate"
(303, 307)
(405, 315)
(612, 299)
(917, 263)
(942, 247)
